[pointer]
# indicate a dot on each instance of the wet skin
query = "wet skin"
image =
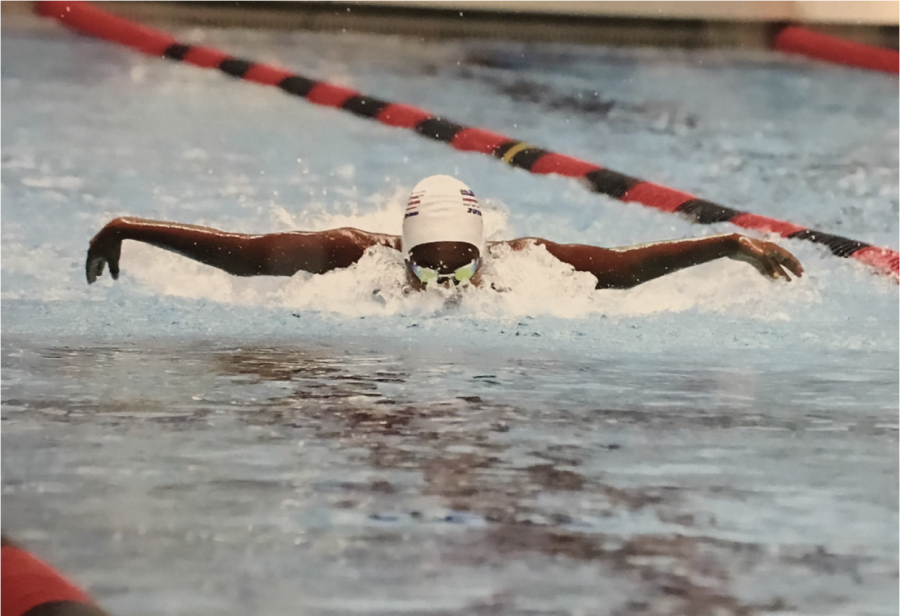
(284, 254)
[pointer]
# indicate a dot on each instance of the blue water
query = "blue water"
(183, 442)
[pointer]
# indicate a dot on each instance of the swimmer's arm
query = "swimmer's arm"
(623, 268)
(274, 254)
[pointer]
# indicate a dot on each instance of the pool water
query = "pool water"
(184, 442)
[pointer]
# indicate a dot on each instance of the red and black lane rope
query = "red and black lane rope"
(31, 587)
(806, 42)
(91, 20)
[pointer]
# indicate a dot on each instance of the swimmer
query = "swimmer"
(442, 244)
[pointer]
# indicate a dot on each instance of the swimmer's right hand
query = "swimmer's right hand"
(768, 258)
(105, 248)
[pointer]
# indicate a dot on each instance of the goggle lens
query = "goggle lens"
(461, 275)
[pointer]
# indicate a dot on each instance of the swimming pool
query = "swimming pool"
(183, 442)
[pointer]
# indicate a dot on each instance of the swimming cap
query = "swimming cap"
(442, 209)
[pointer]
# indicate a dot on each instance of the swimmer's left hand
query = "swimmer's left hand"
(769, 258)
(105, 249)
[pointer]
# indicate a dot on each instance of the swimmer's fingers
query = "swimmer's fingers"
(789, 261)
(105, 249)
(93, 268)
(768, 258)
(780, 261)
(775, 270)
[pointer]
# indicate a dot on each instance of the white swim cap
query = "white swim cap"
(442, 209)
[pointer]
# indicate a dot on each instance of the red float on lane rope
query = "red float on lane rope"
(794, 39)
(28, 582)
(659, 197)
(91, 20)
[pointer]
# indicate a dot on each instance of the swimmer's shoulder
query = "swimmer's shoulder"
(520, 243)
(366, 239)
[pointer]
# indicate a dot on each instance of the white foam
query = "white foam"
(530, 282)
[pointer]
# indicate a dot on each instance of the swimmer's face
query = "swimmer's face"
(450, 260)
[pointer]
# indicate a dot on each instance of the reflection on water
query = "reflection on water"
(303, 466)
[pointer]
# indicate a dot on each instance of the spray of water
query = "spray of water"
(516, 283)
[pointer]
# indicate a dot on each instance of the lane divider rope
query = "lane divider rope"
(806, 42)
(91, 20)
(30, 586)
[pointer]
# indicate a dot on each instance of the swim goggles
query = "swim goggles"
(461, 275)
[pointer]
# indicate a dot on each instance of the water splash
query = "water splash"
(530, 282)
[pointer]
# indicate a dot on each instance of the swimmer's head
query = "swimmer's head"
(443, 233)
